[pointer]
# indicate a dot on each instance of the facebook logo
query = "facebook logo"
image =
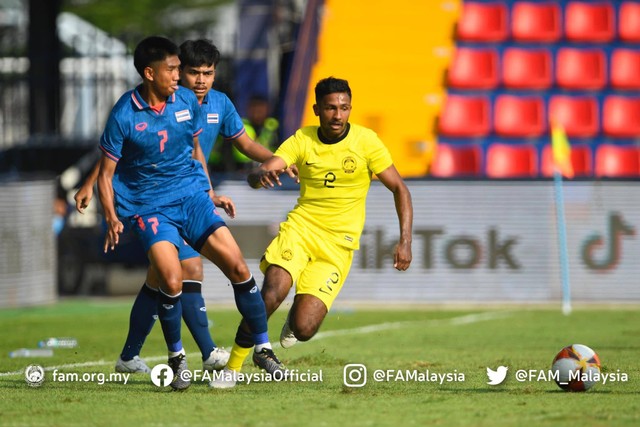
(161, 375)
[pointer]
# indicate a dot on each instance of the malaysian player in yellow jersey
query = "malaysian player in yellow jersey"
(314, 247)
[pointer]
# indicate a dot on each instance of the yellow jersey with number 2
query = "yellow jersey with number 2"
(334, 181)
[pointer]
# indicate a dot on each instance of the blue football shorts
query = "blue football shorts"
(190, 219)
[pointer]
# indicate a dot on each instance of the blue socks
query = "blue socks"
(251, 305)
(143, 316)
(194, 314)
(170, 314)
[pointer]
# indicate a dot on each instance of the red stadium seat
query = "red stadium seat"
(536, 21)
(526, 68)
(581, 159)
(577, 115)
(629, 21)
(581, 69)
(621, 116)
(589, 22)
(519, 116)
(457, 161)
(474, 69)
(465, 116)
(482, 22)
(614, 161)
(511, 161)
(625, 69)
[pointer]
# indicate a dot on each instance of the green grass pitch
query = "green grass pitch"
(463, 342)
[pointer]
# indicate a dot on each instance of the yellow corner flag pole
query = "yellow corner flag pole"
(561, 150)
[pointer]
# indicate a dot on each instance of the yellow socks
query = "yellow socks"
(238, 355)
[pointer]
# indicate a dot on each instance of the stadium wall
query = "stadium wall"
(473, 242)
(27, 244)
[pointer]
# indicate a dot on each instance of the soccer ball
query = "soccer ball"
(576, 368)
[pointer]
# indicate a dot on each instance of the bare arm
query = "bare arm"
(105, 191)
(259, 153)
(404, 209)
(252, 149)
(85, 193)
(268, 173)
(219, 201)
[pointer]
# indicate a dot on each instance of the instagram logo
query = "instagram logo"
(354, 375)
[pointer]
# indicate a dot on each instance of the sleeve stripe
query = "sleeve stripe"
(109, 155)
(236, 135)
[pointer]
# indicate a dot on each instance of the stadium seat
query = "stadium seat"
(538, 22)
(621, 116)
(465, 116)
(615, 161)
(527, 68)
(519, 116)
(578, 115)
(592, 22)
(453, 161)
(581, 69)
(629, 21)
(511, 161)
(581, 159)
(473, 68)
(625, 69)
(482, 22)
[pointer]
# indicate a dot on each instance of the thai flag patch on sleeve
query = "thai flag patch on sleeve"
(183, 115)
(213, 118)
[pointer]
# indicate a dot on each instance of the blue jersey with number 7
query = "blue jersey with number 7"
(153, 149)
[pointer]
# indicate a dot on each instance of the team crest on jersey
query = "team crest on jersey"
(183, 115)
(287, 255)
(349, 164)
(141, 126)
(213, 118)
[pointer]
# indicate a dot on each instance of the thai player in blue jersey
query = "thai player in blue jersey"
(161, 189)
(199, 60)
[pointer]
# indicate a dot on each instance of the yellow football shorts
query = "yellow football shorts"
(318, 266)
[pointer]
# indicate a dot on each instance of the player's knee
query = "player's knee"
(305, 332)
(172, 284)
(238, 272)
(192, 270)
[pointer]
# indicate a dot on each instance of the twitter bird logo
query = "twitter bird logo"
(496, 377)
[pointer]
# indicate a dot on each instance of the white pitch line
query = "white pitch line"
(455, 321)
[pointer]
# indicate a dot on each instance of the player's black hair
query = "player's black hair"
(195, 53)
(152, 49)
(331, 85)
